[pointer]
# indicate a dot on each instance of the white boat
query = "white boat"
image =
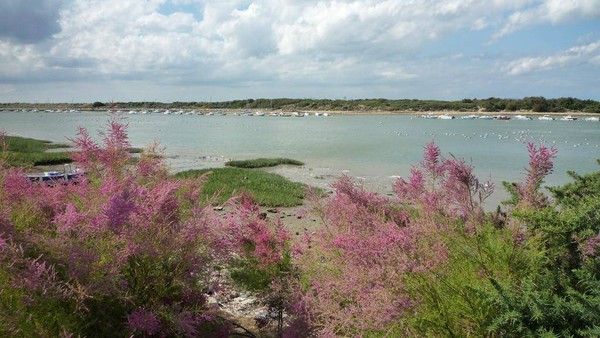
(592, 118)
(486, 117)
(167, 112)
(445, 117)
(521, 117)
(259, 113)
(52, 177)
(468, 117)
(546, 118)
(568, 118)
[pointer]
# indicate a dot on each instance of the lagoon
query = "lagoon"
(374, 148)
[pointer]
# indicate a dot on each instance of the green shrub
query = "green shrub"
(262, 163)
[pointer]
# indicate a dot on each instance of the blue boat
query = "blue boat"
(51, 177)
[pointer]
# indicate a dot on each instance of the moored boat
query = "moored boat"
(568, 118)
(546, 118)
(52, 177)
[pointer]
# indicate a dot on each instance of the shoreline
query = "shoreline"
(29, 108)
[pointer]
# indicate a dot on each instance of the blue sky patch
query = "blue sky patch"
(169, 8)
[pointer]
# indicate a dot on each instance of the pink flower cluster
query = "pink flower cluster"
(540, 165)
(444, 186)
(125, 231)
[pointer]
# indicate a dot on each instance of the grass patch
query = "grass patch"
(23, 152)
(34, 159)
(262, 163)
(29, 145)
(26, 152)
(133, 150)
(270, 190)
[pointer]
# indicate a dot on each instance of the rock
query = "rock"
(262, 319)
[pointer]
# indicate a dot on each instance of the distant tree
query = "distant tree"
(537, 104)
(98, 104)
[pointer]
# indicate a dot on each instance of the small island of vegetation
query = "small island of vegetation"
(263, 162)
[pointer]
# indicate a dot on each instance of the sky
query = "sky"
(219, 50)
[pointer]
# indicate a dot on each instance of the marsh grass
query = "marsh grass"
(21, 151)
(262, 163)
(27, 152)
(267, 189)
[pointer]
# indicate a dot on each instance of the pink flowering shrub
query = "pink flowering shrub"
(354, 269)
(527, 194)
(444, 186)
(263, 263)
(375, 266)
(126, 248)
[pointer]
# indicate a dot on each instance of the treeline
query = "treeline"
(492, 104)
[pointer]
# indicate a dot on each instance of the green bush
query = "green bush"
(262, 163)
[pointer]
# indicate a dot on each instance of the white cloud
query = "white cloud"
(578, 54)
(18, 59)
(233, 43)
(550, 11)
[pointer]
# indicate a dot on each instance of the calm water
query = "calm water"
(374, 148)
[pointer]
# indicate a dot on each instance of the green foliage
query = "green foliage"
(162, 273)
(35, 159)
(27, 152)
(535, 274)
(456, 299)
(571, 193)
(30, 152)
(249, 273)
(267, 189)
(561, 297)
(44, 317)
(262, 163)
(28, 145)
